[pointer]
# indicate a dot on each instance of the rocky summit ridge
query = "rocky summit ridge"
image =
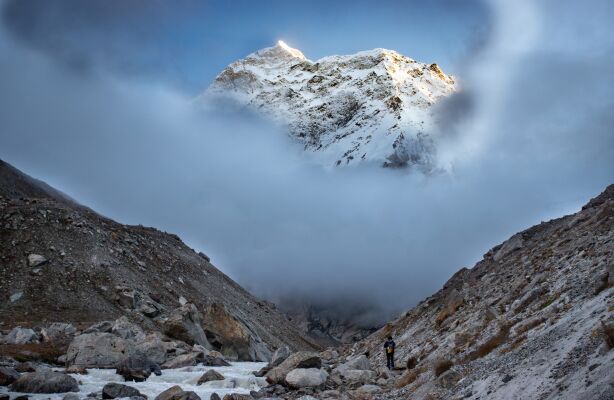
(372, 106)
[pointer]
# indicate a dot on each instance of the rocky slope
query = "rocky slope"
(64, 263)
(533, 319)
(370, 106)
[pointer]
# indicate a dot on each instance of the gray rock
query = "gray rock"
(210, 375)
(184, 360)
(306, 377)
(125, 297)
(184, 323)
(137, 368)
(215, 396)
(154, 348)
(19, 335)
(514, 243)
(100, 327)
(176, 393)
(15, 296)
(45, 382)
(357, 363)
(98, 350)
(7, 376)
(123, 328)
(278, 374)
(357, 375)
(117, 390)
(70, 396)
(58, 332)
(34, 260)
(213, 361)
(279, 356)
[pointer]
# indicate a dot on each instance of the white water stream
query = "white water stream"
(238, 379)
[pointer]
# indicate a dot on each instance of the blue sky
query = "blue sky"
(186, 43)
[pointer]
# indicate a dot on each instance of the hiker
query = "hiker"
(389, 346)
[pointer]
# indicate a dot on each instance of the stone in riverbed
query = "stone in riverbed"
(210, 375)
(213, 361)
(176, 393)
(8, 376)
(45, 382)
(137, 368)
(117, 390)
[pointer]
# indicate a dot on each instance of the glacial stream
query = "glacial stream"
(239, 378)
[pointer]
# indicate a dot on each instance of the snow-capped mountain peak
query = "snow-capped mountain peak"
(372, 106)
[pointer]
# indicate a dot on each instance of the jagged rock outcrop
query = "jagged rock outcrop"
(98, 270)
(371, 106)
(530, 319)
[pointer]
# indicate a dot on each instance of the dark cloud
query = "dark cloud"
(531, 141)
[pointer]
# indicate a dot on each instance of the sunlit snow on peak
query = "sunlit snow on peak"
(293, 52)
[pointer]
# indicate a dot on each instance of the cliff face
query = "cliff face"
(372, 106)
(62, 262)
(534, 319)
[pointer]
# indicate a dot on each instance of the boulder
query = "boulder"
(184, 360)
(302, 358)
(123, 328)
(19, 335)
(98, 350)
(237, 341)
(70, 396)
(7, 376)
(184, 323)
(34, 260)
(154, 348)
(176, 393)
(58, 332)
(4, 396)
(45, 382)
(210, 375)
(360, 363)
(306, 377)
(118, 391)
(214, 361)
(125, 297)
(215, 396)
(357, 375)
(137, 368)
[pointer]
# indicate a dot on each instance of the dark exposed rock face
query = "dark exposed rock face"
(45, 382)
(106, 270)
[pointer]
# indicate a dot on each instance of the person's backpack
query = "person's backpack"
(389, 349)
